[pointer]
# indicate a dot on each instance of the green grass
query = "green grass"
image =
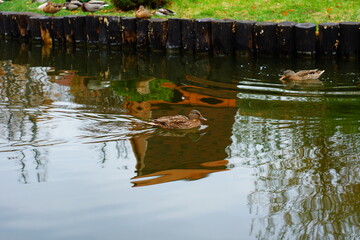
(315, 11)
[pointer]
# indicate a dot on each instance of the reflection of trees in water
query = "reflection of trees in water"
(22, 91)
(307, 175)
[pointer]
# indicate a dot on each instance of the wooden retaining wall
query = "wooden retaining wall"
(219, 37)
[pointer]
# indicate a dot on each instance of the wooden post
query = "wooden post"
(305, 36)
(285, 33)
(328, 38)
(244, 37)
(174, 35)
(158, 28)
(92, 30)
(203, 35)
(103, 30)
(349, 39)
(188, 34)
(222, 36)
(46, 29)
(69, 30)
(58, 29)
(128, 27)
(265, 37)
(7, 24)
(80, 30)
(15, 32)
(34, 28)
(23, 22)
(114, 31)
(1, 25)
(142, 39)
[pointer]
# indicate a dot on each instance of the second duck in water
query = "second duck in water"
(179, 121)
(303, 75)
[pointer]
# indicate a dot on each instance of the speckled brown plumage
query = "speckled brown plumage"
(302, 75)
(51, 8)
(179, 121)
(143, 12)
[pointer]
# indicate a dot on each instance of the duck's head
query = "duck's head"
(141, 8)
(195, 114)
(287, 73)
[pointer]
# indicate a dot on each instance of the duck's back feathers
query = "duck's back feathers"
(310, 74)
(142, 12)
(179, 121)
(164, 12)
(302, 75)
(93, 6)
(72, 5)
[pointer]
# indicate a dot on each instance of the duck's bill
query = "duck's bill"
(202, 118)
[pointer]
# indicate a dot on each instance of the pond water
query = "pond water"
(273, 161)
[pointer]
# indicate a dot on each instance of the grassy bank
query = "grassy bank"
(315, 11)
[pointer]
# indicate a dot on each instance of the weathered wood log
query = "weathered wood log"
(80, 30)
(244, 37)
(103, 31)
(158, 28)
(328, 38)
(114, 31)
(349, 39)
(128, 36)
(23, 25)
(34, 28)
(305, 36)
(69, 30)
(285, 34)
(92, 30)
(142, 39)
(203, 35)
(46, 29)
(174, 35)
(188, 34)
(58, 30)
(15, 32)
(222, 36)
(1, 26)
(265, 37)
(7, 24)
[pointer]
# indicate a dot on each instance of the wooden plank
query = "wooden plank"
(349, 39)
(158, 28)
(265, 37)
(203, 35)
(222, 36)
(244, 37)
(285, 34)
(305, 39)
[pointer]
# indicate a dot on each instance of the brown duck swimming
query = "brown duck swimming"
(303, 75)
(179, 121)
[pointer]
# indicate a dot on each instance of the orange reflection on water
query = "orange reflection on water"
(179, 174)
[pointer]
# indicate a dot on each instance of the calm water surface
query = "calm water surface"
(78, 161)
